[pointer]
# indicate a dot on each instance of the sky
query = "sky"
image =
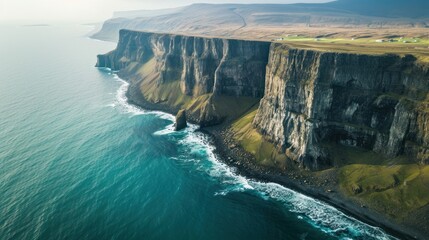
(96, 10)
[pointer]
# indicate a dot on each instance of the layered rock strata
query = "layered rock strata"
(309, 99)
(371, 102)
(202, 65)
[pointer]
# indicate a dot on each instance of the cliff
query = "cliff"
(360, 122)
(310, 99)
(195, 73)
(313, 98)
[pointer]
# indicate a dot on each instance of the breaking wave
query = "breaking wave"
(320, 215)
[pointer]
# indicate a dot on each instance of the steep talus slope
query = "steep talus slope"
(372, 102)
(192, 72)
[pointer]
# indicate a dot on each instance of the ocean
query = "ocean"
(78, 162)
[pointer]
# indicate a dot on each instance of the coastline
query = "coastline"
(243, 162)
(245, 165)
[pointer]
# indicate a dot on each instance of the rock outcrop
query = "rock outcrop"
(372, 102)
(180, 120)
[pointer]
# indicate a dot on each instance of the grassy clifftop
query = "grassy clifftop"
(393, 44)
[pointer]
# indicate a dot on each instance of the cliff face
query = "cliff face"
(202, 65)
(214, 79)
(372, 102)
(367, 115)
(310, 99)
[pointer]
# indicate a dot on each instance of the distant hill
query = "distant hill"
(145, 13)
(385, 8)
(266, 21)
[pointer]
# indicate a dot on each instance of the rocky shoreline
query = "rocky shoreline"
(302, 182)
(325, 189)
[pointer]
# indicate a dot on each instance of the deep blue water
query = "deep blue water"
(77, 162)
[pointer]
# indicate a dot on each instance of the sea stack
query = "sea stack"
(180, 120)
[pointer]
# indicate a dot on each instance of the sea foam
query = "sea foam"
(320, 215)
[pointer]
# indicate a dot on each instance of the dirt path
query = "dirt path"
(242, 18)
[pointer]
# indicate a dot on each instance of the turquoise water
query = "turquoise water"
(78, 162)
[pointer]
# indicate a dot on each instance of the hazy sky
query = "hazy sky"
(96, 10)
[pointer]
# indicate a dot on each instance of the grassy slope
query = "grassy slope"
(170, 94)
(396, 187)
(253, 142)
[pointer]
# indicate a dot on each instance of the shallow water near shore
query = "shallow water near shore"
(78, 162)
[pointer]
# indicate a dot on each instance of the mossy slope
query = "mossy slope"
(253, 142)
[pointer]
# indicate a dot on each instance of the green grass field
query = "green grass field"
(418, 47)
(362, 40)
(253, 142)
(395, 186)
